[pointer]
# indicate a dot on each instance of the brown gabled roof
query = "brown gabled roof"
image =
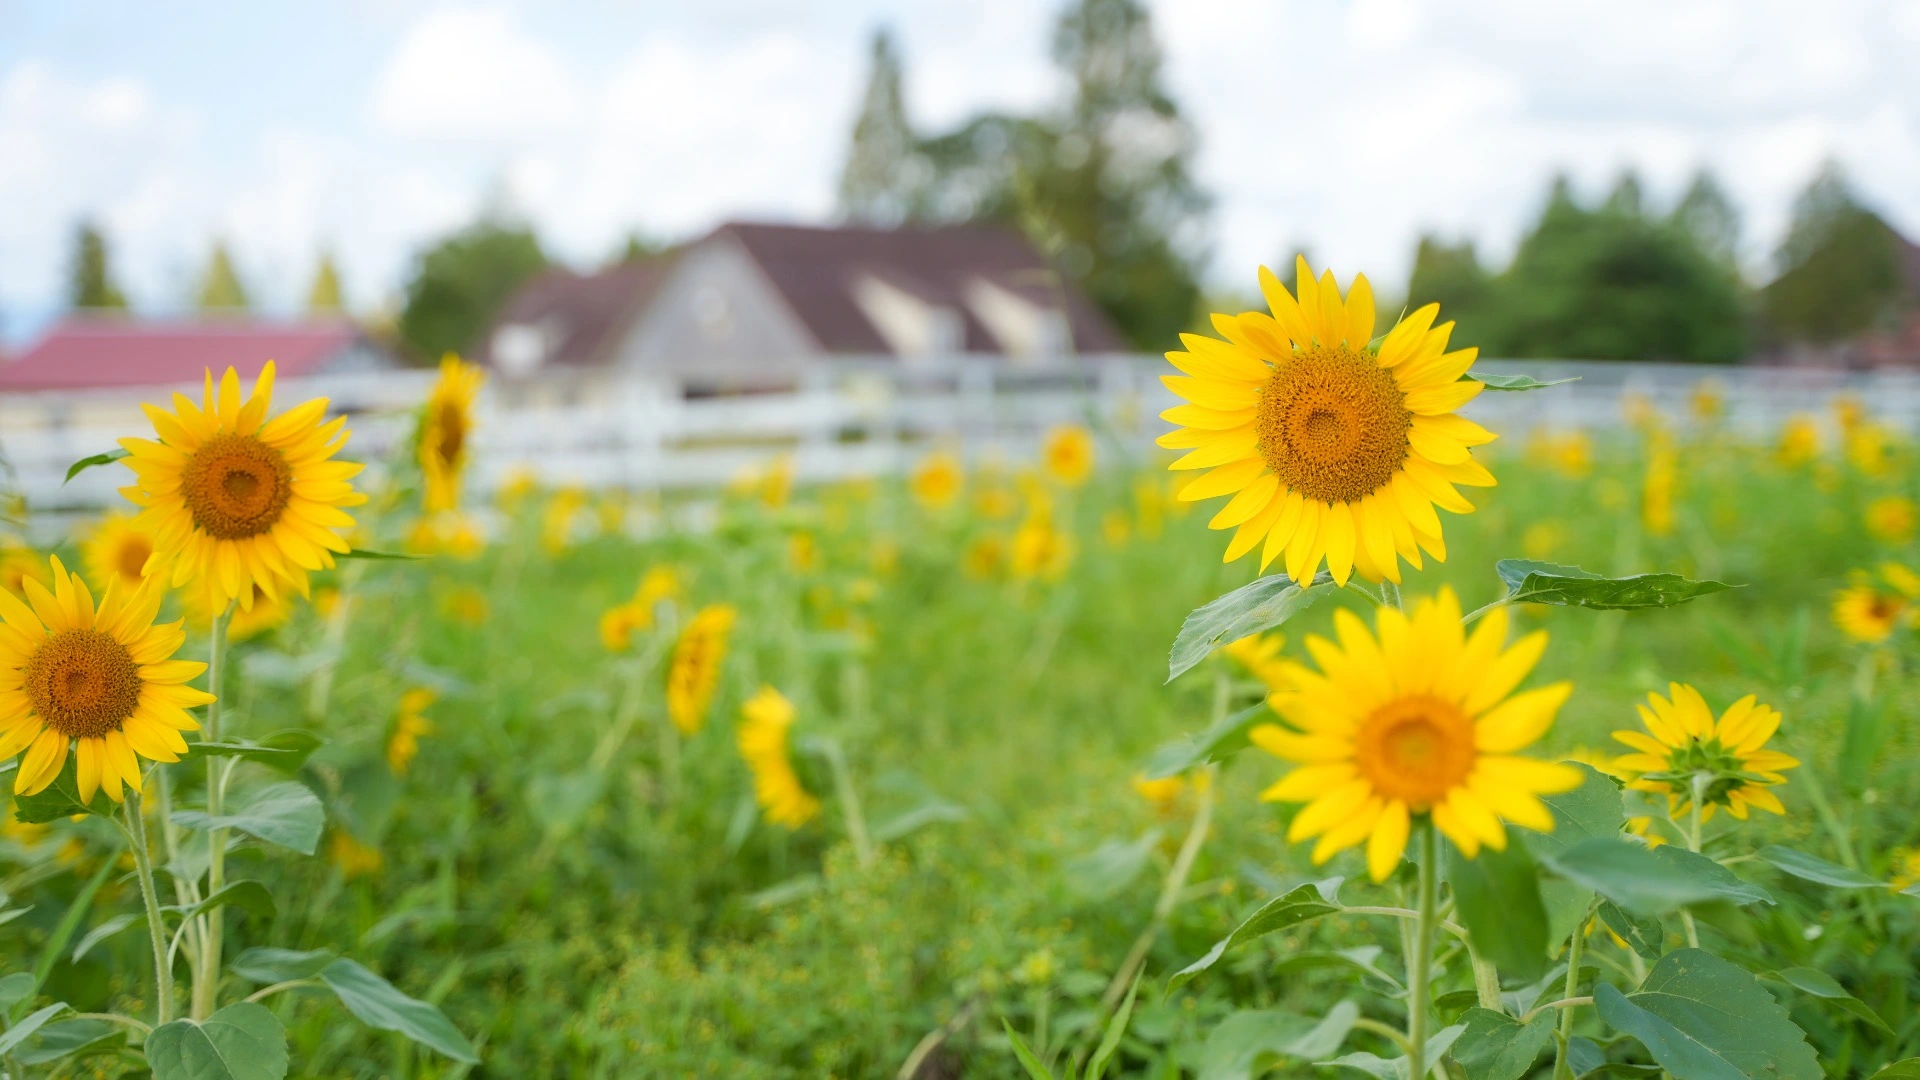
(815, 269)
(584, 313)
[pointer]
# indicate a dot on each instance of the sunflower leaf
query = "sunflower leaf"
(283, 750)
(1703, 1018)
(1220, 741)
(365, 553)
(1498, 897)
(1304, 904)
(1643, 935)
(86, 463)
(1819, 984)
(1496, 1046)
(1648, 881)
(1259, 605)
(243, 1041)
(1531, 582)
(287, 814)
(1513, 382)
(61, 799)
(1820, 871)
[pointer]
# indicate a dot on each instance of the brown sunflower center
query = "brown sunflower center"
(1884, 607)
(1332, 424)
(453, 433)
(1416, 749)
(236, 486)
(132, 557)
(83, 683)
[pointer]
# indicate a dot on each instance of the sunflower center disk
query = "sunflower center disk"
(133, 553)
(1332, 424)
(236, 486)
(453, 434)
(1416, 750)
(83, 683)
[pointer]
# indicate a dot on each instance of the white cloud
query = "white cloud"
(474, 76)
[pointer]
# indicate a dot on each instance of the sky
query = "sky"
(368, 127)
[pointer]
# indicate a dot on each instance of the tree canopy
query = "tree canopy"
(1840, 273)
(459, 283)
(91, 285)
(220, 286)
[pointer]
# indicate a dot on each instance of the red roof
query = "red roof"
(96, 353)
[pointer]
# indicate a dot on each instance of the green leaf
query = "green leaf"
(1498, 899)
(1110, 1039)
(264, 964)
(18, 1033)
(286, 814)
(86, 463)
(1223, 739)
(1035, 1070)
(16, 988)
(249, 896)
(1250, 1042)
(1496, 1046)
(1531, 582)
(283, 750)
(1591, 811)
(379, 1004)
(104, 931)
(1643, 935)
(243, 1041)
(1396, 1069)
(1823, 986)
(363, 553)
(1303, 904)
(1102, 873)
(1260, 605)
(1817, 870)
(1649, 881)
(1361, 959)
(1703, 1018)
(65, 1039)
(1587, 1059)
(1906, 1069)
(61, 799)
(1513, 382)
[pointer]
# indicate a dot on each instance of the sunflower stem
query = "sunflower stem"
(136, 830)
(849, 802)
(1700, 782)
(1563, 1033)
(207, 979)
(1486, 980)
(1419, 967)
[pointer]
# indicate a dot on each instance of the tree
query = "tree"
(220, 287)
(884, 171)
(1451, 275)
(1708, 215)
(324, 296)
(1840, 273)
(1627, 199)
(91, 286)
(460, 282)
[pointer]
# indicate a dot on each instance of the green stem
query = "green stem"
(1486, 979)
(207, 979)
(136, 830)
(1700, 781)
(849, 803)
(1562, 1066)
(1419, 968)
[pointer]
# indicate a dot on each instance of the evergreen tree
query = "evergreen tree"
(1708, 215)
(1451, 275)
(1840, 267)
(220, 287)
(1627, 198)
(324, 296)
(460, 282)
(91, 286)
(884, 172)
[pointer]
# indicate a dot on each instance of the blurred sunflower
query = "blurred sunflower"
(1891, 518)
(936, 483)
(410, 722)
(1905, 866)
(233, 499)
(354, 858)
(1421, 721)
(1067, 454)
(695, 671)
(1799, 441)
(97, 678)
(116, 550)
(1656, 498)
(1332, 449)
(446, 430)
(762, 738)
(1260, 655)
(557, 520)
(984, 557)
(1683, 747)
(1866, 612)
(265, 612)
(1039, 551)
(18, 565)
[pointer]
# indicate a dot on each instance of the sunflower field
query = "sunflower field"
(1481, 755)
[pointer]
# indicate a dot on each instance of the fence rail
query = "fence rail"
(867, 418)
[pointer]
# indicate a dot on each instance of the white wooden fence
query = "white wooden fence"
(861, 418)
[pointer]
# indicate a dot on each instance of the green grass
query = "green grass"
(619, 924)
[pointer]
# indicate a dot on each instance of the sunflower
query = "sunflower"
(695, 671)
(1866, 612)
(557, 520)
(1799, 441)
(1039, 550)
(18, 565)
(936, 483)
(1332, 449)
(94, 677)
(1892, 518)
(1656, 497)
(1164, 794)
(265, 613)
(1068, 454)
(233, 499)
(409, 724)
(446, 426)
(1683, 747)
(1421, 721)
(1260, 655)
(762, 739)
(354, 858)
(116, 550)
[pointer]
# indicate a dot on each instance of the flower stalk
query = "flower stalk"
(135, 828)
(1420, 967)
(206, 978)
